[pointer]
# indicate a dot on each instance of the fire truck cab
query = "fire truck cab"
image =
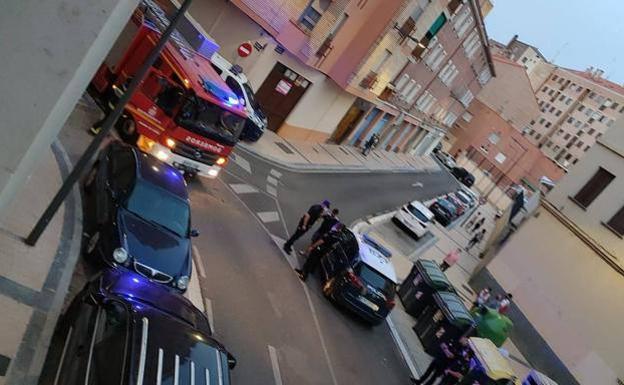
(183, 112)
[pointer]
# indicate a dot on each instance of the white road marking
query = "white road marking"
(397, 339)
(417, 184)
(198, 262)
(209, 313)
(275, 365)
(271, 190)
(242, 162)
(243, 188)
(275, 173)
(274, 301)
(268, 216)
(271, 180)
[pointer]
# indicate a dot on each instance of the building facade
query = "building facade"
(565, 268)
(322, 69)
(577, 107)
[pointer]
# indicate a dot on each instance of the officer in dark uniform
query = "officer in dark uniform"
(318, 249)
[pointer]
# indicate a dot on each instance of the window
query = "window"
(463, 21)
(586, 148)
(382, 61)
(549, 144)
(574, 161)
(312, 13)
(532, 122)
(560, 132)
(556, 148)
(579, 144)
(577, 124)
(435, 56)
(542, 120)
(554, 78)
(558, 113)
(338, 25)
(538, 136)
(449, 119)
(562, 97)
(568, 101)
(570, 120)
(531, 133)
(548, 124)
(494, 138)
(466, 98)
(591, 131)
(593, 187)
(485, 76)
(581, 108)
(524, 59)
(592, 95)
(551, 92)
(566, 136)
(401, 82)
(467, 116)
(568, 156)
(471, 44)
(552, 109)
(544, 89)
(616, 223)
(425, 101)
(614, 105)
(448, 73)
(409, 96)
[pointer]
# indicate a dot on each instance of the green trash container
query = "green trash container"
(445, 319)
(424, 279)
(492, 325)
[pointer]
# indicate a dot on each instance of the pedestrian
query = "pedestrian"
(451, 258)
(505, 303)
(494, 303)
(478, 225)
(307, 220)
(329, 220)
(438, 365)
(483, 297)
(472, 220)
(370, 144)
(476, 239)
(318, 249)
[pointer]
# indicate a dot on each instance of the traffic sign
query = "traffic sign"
(245, 49)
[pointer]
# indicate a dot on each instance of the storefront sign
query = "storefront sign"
(283, 87)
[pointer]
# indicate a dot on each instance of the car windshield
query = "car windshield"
(210, 120)
(376, 280)
(251, 96)
(417, 213)
(463, 198)
(448, 206)
(159, 207)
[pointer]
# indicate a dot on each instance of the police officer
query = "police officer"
(318, 249)
(307, 220)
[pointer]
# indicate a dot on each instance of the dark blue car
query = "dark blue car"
(124, 329)
(444, 211)
(138, 216)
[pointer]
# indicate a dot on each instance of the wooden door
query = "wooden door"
(279, 94)
(347, 124)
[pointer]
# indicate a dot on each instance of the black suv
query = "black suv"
(463, 176)
(137, 215)
(356, 272)
(123, 329)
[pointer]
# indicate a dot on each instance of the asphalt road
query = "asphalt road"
(281, 330)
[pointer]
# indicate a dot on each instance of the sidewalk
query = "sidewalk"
(34, 280)
(306, 156)
(445, 240)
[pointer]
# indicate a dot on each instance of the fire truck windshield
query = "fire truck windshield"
(210, 120)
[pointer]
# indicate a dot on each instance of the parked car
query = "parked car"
(466, 199)
(459, 205)
(237, 81)
(357, 274)
(123, 329)
(447, 160)
(463, 176)
(413, 217)
(138, 216)
(444, 211)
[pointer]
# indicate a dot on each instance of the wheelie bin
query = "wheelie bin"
(488, 366)
(492, 325)
(424, 279)
(445, 319)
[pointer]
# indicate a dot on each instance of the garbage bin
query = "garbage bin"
(445, 319)
(424, 279)
(492, 325)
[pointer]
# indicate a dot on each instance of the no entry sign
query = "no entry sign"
(245, 49)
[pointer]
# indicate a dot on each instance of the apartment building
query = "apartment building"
(577, 107)
(565, 268)
(448, 62)
(537, 67)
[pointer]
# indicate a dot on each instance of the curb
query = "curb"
(28, 362)
(306, 167)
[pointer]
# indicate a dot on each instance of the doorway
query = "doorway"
(347, 124)
(279, 94)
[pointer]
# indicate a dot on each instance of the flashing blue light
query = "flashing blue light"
(232, 101)
(135, 280)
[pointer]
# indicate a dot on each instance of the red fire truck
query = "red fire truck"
(183, 112)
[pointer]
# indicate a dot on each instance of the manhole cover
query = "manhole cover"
(284, 148)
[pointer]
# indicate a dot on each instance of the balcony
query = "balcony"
(370, 80)
(326, 47)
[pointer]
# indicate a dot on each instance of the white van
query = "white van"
(238, 83)
(414, 217)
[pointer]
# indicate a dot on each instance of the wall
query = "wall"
(570, 296)
(539, 74)
(608, 202)
(52, 48)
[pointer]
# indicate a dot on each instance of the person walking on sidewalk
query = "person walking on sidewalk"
(318, 249)
(370, 144)
(307, 220)
(478, 225)
(476, 239)
(472, 220)
(451, 258)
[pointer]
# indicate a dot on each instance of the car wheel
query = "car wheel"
(92, 243)
(127, 129)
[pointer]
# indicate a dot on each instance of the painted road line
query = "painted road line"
(268, 216)
(274, 304)
(242, 162)
(271, 190)
(275, 173)
(243, 188)
(417, 184)
(198, 262)
(275, 365)
(271, 180)
(209, 314)
(404, 352)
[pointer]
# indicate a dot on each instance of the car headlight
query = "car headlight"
(120, 255)
(182, 282)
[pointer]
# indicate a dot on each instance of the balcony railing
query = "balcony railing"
(370, 80)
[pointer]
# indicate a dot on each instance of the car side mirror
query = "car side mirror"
(194, 233)
(231, 360)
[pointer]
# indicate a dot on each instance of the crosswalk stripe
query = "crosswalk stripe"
(271, 190)
(242, 188)
(242, 162)
(268, 216)
(275, 173)
(272, 180)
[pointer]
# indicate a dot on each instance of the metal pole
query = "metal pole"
(109, 122)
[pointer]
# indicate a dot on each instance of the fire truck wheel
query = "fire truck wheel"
(127, 129)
